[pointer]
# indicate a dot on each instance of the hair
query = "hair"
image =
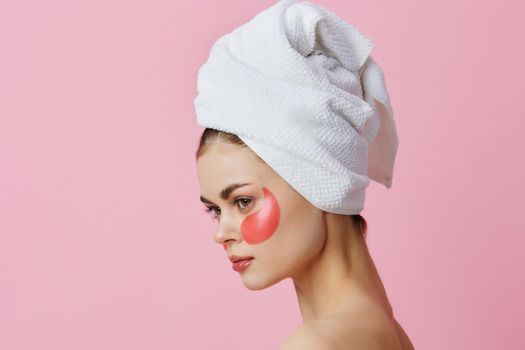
(211, 135)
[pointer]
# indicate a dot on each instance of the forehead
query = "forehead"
(222, 164)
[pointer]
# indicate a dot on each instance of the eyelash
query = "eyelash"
(216, 217)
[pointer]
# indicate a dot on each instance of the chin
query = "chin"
(254, 282)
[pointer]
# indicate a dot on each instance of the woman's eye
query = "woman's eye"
(216, 211)
(245, 202)
(215, 215)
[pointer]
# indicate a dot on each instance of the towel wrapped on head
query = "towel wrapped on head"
(298, 85)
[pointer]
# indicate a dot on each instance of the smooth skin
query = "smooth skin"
(341, 297)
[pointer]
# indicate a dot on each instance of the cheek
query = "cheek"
(261, 225)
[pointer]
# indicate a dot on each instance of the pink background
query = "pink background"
(104, 244)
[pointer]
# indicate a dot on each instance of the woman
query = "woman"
(342, 300)
(297, 120)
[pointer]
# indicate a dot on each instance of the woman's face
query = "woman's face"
(265, 218)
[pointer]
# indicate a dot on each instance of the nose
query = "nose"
(227, 230)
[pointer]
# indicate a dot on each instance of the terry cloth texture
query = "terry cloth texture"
(299, 86)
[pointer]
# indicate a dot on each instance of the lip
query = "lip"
(240, 263)
(235, 258)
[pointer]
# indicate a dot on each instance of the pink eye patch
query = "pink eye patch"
(261, 225)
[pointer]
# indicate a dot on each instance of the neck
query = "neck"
(340, 274)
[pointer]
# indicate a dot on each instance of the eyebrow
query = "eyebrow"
(225, 193)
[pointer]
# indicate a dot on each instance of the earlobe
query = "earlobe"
(261, 225)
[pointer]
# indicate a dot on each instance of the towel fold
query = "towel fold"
(299, 86)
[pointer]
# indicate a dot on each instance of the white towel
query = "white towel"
(298, 85)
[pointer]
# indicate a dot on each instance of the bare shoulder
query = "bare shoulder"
(339, 333)
(308, 337)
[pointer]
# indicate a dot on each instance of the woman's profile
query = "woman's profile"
(297, 120)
